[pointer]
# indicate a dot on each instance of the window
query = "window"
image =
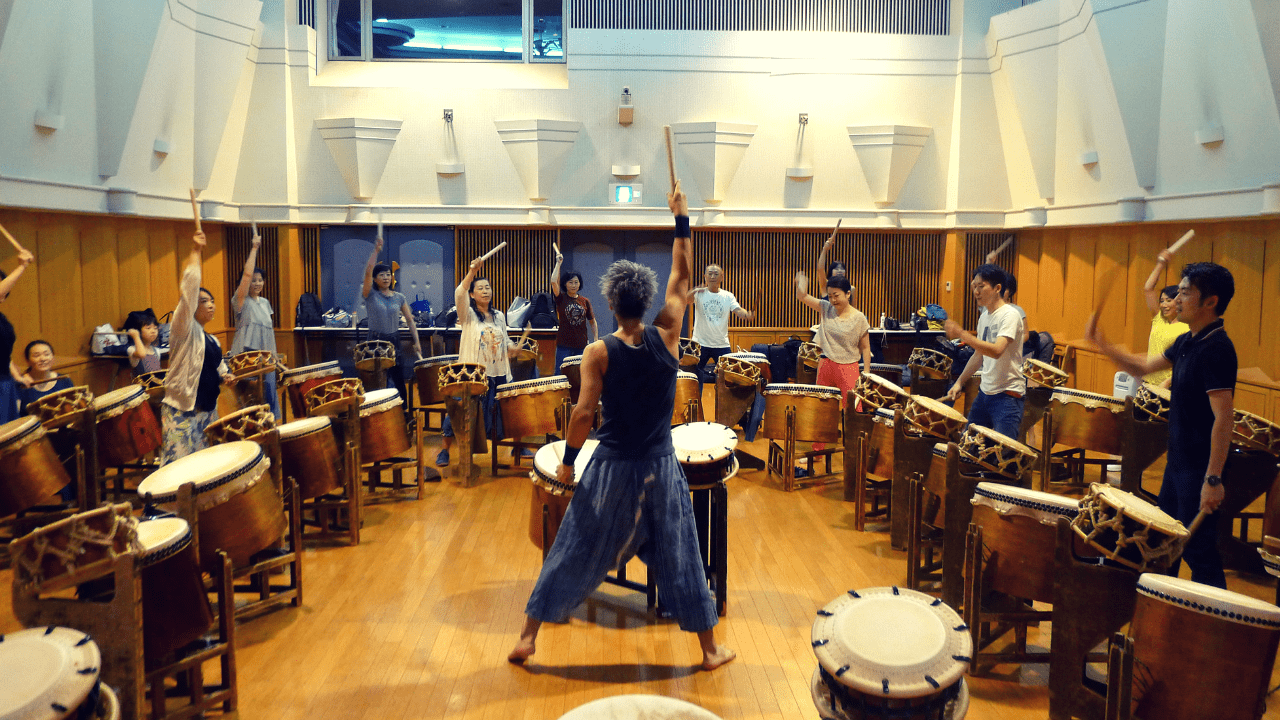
(503, 30)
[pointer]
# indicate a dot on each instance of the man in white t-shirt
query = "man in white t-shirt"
(997, 347)
(712, 307)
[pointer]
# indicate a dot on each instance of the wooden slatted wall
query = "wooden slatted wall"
(520, 268)
(976, 247)
(309, 245)
(239, 242)
(893, 273)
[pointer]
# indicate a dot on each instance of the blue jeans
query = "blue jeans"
(1000, 412)
(563, 352)
(706, 355)
(273, 399)
(489, 412)
(1180, 498)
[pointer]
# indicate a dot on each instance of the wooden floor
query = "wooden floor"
(416, 622)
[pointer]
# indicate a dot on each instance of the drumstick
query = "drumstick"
(12, 239)
(1195, 524)
(833, 232)
(1108, 281)
(254, 224)
(491, 253)
(671, 159)
(1186, 237)
(379, 223)
(991, 256)
(195, 212)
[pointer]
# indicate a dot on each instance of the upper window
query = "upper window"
(506, 30)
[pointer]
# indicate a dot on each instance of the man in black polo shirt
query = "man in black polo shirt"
(1200, 413)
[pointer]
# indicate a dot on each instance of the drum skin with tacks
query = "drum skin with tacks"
(309, 455)
(240, 510)
(53, 673)
(705, 451)
(30, 471)
(1019, 531)
(549, 492)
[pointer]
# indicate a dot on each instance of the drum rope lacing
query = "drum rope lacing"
(1091, 511)
(1207, 609)
(32, 575)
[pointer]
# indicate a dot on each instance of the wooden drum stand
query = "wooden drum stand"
(345, 415)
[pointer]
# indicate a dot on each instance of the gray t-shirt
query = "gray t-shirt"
(1005, 372)
(383, 311)
(842, 337)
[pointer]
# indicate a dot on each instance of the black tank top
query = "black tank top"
(639, 392)
(210, 380)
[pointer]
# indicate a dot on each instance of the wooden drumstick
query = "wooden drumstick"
(671, 158)
(380, 223)
(991, 256)
(13, 240)
(1108, 282)
(254, 225)
(833, 232)
(492, 252)
(195, 211)
(1186, 238)
(1195, 523)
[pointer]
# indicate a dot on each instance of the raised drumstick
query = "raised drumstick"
(1108, 282)
(195, 211)
(837, 229)
(1182, 241)
(254, 224)
(671, 159)
(494, 251)
(991, 256)
(12, 239)
(380, 223)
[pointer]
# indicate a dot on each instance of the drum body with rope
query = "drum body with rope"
(875, 392)
(996, 452)
(926, 416)
(153, 384)
(688, 390)
(1087, 420)
(462, 379)
(807, 359)
(240, 510)
(526, 350)
(550, 493)
(1019, 529)
(735, 373)
(73, 550)
(890, 652)
(309, 455)
(925, 362)
(816, 408)
(1043, 373)
(427, 372)
(382, 429)
(30, 471)
(373, 355)
(705, 451)
(59, 409)
(298, 381)
(690, 351)
(530, 407)
(1151, 403)
(1200, 652)
(248, 367)
(331, 396)
(251, 423)
(175, 606)
(52, 673)
(127, 426)
(1129, 530)
(1254, 432)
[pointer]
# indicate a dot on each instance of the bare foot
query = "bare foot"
(718, 657)
(523, 649)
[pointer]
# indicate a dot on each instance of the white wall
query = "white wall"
(1013, 98)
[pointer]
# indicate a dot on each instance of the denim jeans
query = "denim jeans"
(1000, 412)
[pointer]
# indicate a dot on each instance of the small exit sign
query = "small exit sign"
(624, 194)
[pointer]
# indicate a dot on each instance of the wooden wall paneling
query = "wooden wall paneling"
(1145, 245)
(1081, 259)
(1269, 345)
(1052, 281)
(1252, 398)
(1112, 255)
(977, 245)
(213, 272)
(953, 272)
(133, 257)
(165, 262)
(23, 305)
(1243, 253)
(520, 268)
(62, 320)
(100, 256)
(1028, 273)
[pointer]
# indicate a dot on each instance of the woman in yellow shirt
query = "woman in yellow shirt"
(1165, 327)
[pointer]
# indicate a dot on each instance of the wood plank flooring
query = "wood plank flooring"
(416, 622)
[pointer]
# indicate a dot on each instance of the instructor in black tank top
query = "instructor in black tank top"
(632, 498)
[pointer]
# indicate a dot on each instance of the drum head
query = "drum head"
(380, 399)
(305, 426)
(703, 442)
(639, 707)
(435, 360)
(161, 537)
(44, 667)
(1139, 509)
(571, 360)
(891, 642)
(938, 407)
(210, 468)
(15, 429)
(548, 459)
(121, 397)
(296, 375)
(1011, 499)
(1209, 600)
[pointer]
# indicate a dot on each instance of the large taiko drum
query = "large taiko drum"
(571, 368)
(926, 416)
(1087, 420)
(817, 412)
(1203, 652)
(1019, 530)
(382, 429)
(1043, 373)
(73, 550)
(52, 673)
(61, 408)
(251, 364)
(890, 652)
(153, 384)
(1254, 432)
(996, 452)
(240, 511)
(297, 381)
(427, 372)
(333, 396)
(875, 392)
(690, 351)
(688, 390)
(127, 426)
(175, 606)
(925, 362)
(1152, 402)
(29, 468)
(252, 423)
(529, 407)
(639, 707)
(807, 359)
(309, 455)
(1129, 530)
(549, 492)
(374, 355)
(705, 451)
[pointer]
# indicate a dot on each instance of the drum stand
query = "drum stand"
(1141, 442)
(1247, 476)
(1034, 405)
(711, 516)
(861, 457)
(912, 455)
(1090, 603)
(346, 427)
(259, 573)
(983, 608)
(925, 571)
(250, 388)
(466, 414)
(782, 458)
(116, 626)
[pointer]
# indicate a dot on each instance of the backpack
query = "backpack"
(447, 318)
(1045, 352)
(309, 312)
(542, 311)
(935, 315)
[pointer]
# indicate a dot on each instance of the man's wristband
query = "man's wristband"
(682, 226)
(570, 455)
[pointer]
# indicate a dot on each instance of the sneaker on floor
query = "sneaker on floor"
(442, 458)
(802, 472)
(526, 452)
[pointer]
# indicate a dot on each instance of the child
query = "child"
(143, 330)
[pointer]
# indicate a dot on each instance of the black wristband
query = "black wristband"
(570, 455)
(682, 226)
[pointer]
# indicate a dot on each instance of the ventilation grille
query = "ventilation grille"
(307, 13)
(520, 268)
(976, 247)
(309, 245)
(901, 17)
(239, 242)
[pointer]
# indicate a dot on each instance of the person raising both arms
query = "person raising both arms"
(1165, 325)
(384, 307)
(573, 314)
(712, 307)
(255, 330)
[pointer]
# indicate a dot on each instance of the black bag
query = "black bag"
(542, 314)
(309, 312)
(447, 318)
(1045, 352)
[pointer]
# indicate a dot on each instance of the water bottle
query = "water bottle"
(881, 321)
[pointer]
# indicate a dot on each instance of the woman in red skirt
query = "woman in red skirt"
(845, 334)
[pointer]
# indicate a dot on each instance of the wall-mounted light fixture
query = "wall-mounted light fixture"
(626, 113)
(448, 115)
